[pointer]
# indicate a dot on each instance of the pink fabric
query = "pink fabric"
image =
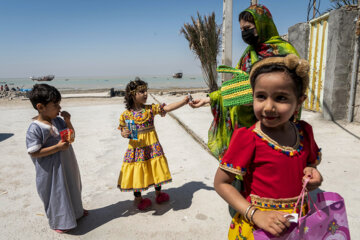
(326, 221)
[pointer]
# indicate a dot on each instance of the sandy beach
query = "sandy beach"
(195, 211)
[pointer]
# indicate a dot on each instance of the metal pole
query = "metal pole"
(314, 7)
(227, 36)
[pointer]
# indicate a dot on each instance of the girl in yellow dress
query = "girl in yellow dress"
(145, 164)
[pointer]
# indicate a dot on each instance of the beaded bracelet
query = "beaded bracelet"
(252, 215)
(246, 212)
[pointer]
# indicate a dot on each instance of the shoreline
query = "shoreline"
(96, 96)
(150, 90)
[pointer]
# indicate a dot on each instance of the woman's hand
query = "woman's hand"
(125, 133)
(315, 178)
(273, 222)
(196, 103)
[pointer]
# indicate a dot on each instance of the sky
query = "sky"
(116, 37)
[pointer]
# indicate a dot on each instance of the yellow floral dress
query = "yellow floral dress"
(144, 164)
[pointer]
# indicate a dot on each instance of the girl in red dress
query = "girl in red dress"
(274, 155)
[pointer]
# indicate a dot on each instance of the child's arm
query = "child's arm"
(43, 152)
(273, 222)
(230, 194)
(315, 178)
(67, 117)
(196, 103)
(176, 105)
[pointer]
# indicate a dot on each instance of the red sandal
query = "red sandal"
(162, 197)
(144, 204)
(85, 213)
(61, 231)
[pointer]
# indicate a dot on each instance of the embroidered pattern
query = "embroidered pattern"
(144, 189)
(273, 203)
(289, 151)
(143, 153)
(277, 205)
(162, 111)
(144, 118)
(230, 167)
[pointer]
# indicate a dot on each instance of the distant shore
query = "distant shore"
(151, 90)
(92, 96)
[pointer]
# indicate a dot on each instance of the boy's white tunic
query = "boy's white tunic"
(58, 179)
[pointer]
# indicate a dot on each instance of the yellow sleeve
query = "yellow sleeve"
(158, 109)
(122, 123)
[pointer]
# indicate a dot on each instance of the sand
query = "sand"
(195, 211)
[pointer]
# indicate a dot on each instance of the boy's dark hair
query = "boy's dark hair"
(298, 81)
(43, 93)
(130, 91)
(246, 16)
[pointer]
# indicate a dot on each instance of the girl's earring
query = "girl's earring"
(296, 113)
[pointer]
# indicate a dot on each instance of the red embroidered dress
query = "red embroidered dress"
(272, 173)
(144, 162)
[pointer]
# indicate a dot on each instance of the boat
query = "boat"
(43, 78)
(177, 75)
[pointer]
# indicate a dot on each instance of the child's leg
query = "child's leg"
(137, 194)
(138, 197)
(157, 190)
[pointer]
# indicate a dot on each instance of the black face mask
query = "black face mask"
(249, 37)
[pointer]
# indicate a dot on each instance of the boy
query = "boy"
(58, 179)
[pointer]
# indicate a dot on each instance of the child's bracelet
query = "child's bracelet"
(252, 215)
(246, 212)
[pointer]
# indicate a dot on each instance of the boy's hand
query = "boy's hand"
(273, 222)
(315, 178)
(66, 116)
(62, 145)
(125, 133)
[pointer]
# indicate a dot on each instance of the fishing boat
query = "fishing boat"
(177, 75)
(43, 78)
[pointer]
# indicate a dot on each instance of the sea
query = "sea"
(118, 83)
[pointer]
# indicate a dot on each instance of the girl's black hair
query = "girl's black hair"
(130, 92)
(44, 94)
(298, 82)
(246, 16)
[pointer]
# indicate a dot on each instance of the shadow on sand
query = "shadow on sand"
(4, 136)
(180, 198)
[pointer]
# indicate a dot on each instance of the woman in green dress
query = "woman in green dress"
(260, 33)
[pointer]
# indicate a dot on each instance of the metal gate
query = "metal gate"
(317, 60)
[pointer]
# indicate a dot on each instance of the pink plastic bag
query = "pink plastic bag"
(327, 220)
